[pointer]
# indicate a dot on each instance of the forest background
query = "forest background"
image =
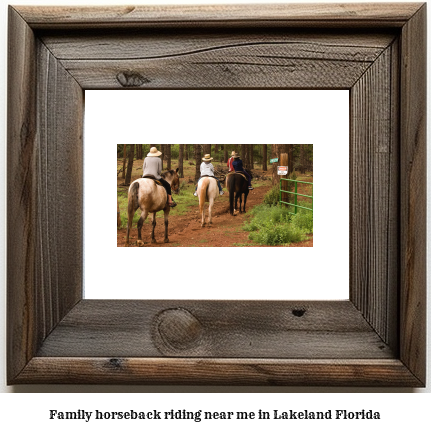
(300, 156)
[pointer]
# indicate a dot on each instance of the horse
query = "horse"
(207, 192)
(237, 186)
(150, 197)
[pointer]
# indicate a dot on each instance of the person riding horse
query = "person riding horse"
(230, 160)
(153, 167)
(207, 169)
(238, 167)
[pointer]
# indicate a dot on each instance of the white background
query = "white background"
(209, 116)
(401, 410)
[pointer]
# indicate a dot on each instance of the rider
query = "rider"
(229, 162)
(207, 169)
(237, 166)
(153, 166)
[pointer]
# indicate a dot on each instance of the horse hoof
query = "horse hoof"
(140, 243)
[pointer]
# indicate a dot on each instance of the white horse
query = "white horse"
(151, 198)
(207, 192)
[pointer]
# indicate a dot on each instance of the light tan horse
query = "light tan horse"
(207, 192)
(151, 198)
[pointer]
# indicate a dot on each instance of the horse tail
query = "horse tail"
(133, 202)
(203, 194)
(132, 206)
(230, 185)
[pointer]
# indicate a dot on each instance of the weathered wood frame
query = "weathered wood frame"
(377, 338)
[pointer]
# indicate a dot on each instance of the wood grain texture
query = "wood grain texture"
(329, 372)
(374, 195)
(21, 197)
(55, 337)
(226, 329)
(207, 60)
(45, 105)
(413, 194)
(145, 45)
(59, 184)
(300, 15)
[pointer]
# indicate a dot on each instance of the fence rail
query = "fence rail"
(296, 194)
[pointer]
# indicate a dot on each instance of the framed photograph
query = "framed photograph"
(376, 337)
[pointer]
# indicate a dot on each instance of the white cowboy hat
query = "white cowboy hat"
(236, 156)
(233, 153)
(154, 152)
(207, 158)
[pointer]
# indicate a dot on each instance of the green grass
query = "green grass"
(185, 199)
(274, 225)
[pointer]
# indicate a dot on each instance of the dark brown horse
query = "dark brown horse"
(237, 185)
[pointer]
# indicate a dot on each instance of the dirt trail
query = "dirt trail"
(186, 230)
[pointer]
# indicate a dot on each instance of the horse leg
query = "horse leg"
(231, 201)
(166, 211)
(203, 216)
(245, 200)
(153, 238)
(141, 221)
(129, 227)
(240, 202)
(210, 209)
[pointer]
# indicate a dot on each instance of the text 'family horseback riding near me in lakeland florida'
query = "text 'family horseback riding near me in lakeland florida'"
(202, 415)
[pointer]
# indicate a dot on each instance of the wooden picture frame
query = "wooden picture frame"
(376, 338)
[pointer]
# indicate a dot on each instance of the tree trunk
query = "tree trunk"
(118, 214)
(264, 157)
(207, 149)
(198, 157)
(130, 165)
(251, 157)
(186, 151)
(162, 157)
(180, 161)
(302, 157)
(123, 175)
(168, 156)
(290, 155)
(274, 154)
(244, 155)
(225, 156)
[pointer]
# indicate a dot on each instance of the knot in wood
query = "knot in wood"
(178, 329)
(298, 312)
(131, 79)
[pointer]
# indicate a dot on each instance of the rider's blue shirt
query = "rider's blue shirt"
(237, 165)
